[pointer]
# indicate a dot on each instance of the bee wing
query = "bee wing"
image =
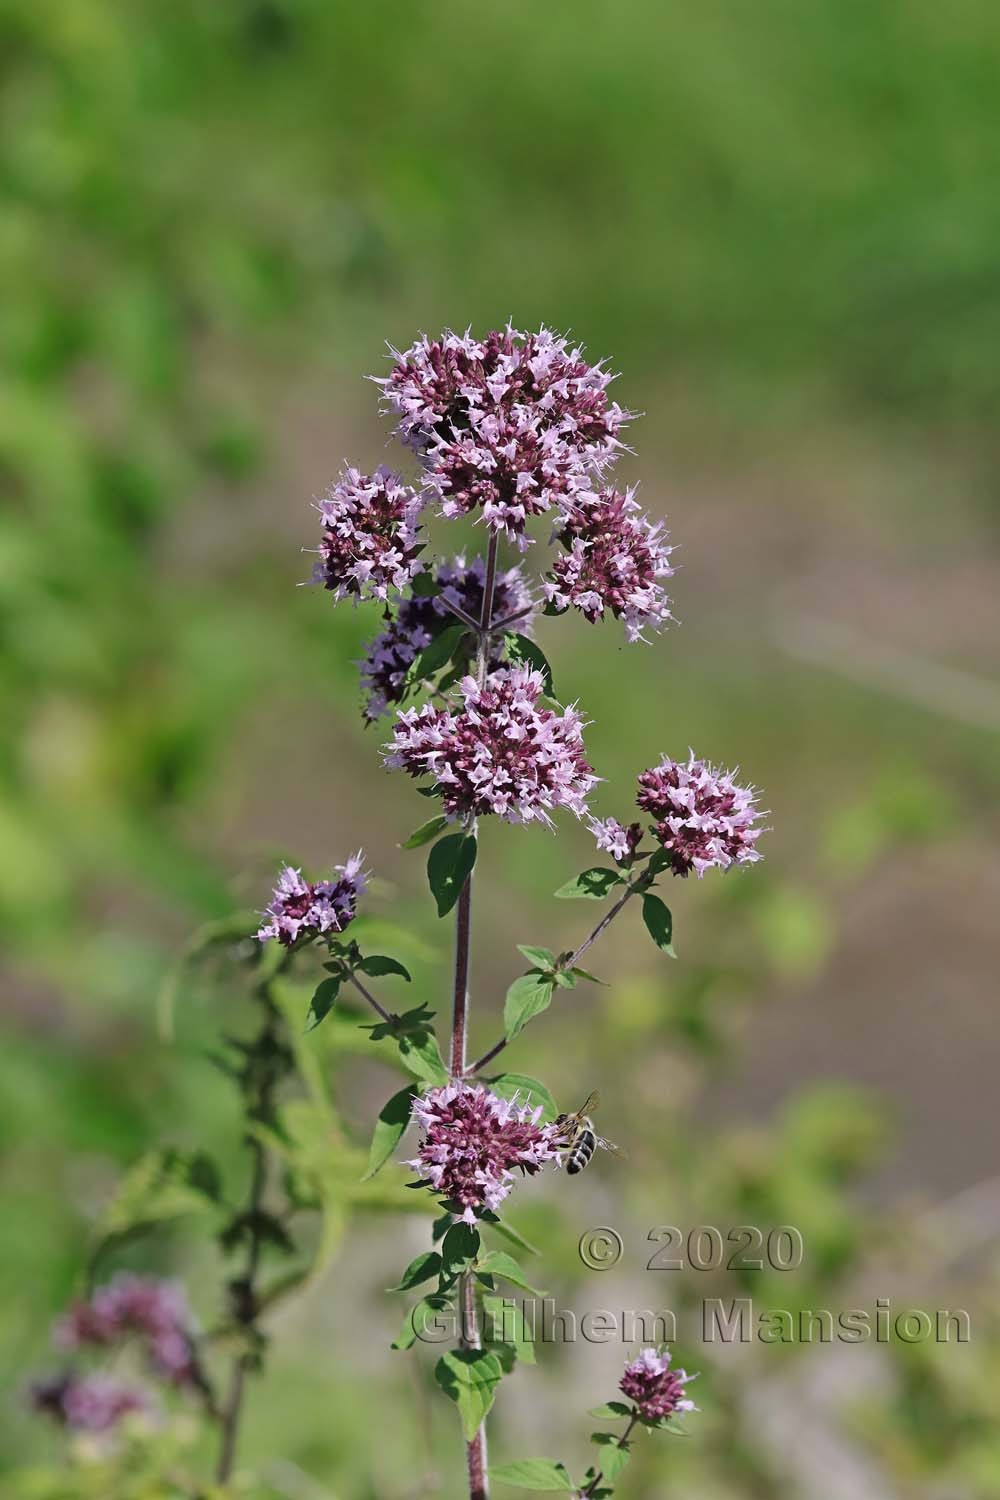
(618, 1151)
(591, 1102)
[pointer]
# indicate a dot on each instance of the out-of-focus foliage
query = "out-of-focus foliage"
(781, 223)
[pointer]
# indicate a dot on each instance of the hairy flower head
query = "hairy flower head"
(370, 544)
(472, 1142)
(615, 558)
(302, 908)
(657, 1391)
(702, 818)
(512, 423)
(500, 753)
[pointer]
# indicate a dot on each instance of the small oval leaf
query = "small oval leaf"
(393, 1119)
(449, 865)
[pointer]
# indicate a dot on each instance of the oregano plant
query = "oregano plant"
(512, 430)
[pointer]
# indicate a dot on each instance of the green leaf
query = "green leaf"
(565, 979)
(164, 1184)
(470, 1378)
(421, 1056)
(422, 1268)
(377, 964)
(542, 958)
(413, 1035)
(504, 1325)
(392, 1122)
(614, 1454)
(425, 832)
(527, 997)
(534, 1474)
(523, 649)
(322, 1001)
(659, 860)
(499, 1263)
(423, 586)
(459, 1248)
(419, 1317)
(449, 865)
(528, 1090)
(586, 974)
(440, 1227)
(609, 1410)
(512, 1235)
(659, 923)
(440, 651)
(592, 885)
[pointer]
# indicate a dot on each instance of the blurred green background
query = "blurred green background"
(781, 223)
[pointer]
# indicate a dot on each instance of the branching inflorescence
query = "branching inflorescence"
(502, 430)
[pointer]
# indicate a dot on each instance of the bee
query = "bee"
(581, 1139)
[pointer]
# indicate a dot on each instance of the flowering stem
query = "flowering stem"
(497, 625)
(461, 614)
(243, 1289)
(470, 1339)
(570, 963)
(489, 588)
(476, 1450)
(604, 923)
(460, 1006)
(364, 990)
(592, 1486)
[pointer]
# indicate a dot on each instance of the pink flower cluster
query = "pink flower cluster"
(615, 558)
(500, 753)
(614, 839)
(90, 1403)
(702, 817)
(473, 1140)
(419, 618)
(370, 544)
(301, 908)
(155, 1311)
(512, 423)
(658, 1391)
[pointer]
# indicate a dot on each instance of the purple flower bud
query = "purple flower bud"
(657, 1391)
(419, 619)
(473, 1141)
(510, 424)
(702, 817)
(500, 753)
(370, 542)
(302, 908)
(614, 560)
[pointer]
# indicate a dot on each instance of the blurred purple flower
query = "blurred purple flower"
(615, 558)
(370, 542)
(500, 753)
(419, 619)
(89, 1403)
(152, 1309)
(657, 1391)
(302, 908)
(511, 423)
(473, 1141)
(702, 817)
